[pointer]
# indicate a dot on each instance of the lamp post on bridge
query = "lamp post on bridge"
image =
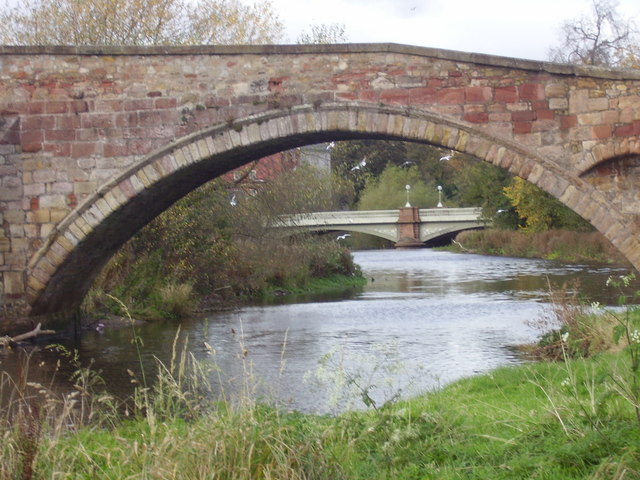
(439, 196)
(407, 188)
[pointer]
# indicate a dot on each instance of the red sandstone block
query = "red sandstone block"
(109, 106)
(83, 149)
(56, 107)
(531, 91)
(568, 121)
(67, 121)
(276, 84)
(523, 116)
(162, 103)
(624, 131)
(423, 95)
(368, 95)
(507, 94)
(72, 200)
(156, 117)
(32, 136)
(59, 135)
(521, 127)
(16, 109)
(58, 149)
(139, 104)
(142, 146)
(477, 117)
(35, 108)
(395, 96)
(98, 73)
(216, 102)
(601, 131)
(79, 106)
(545, 114)
(31, 147)
(37, 122)
(154, 94)
(115, 149)
(87, 134)
(124, 120)
(98, 120)
(450, 96)
(478, 94)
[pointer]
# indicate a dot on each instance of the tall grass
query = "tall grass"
(175, 426)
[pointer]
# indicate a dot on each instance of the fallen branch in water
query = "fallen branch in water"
(8, 341)
(460, 245)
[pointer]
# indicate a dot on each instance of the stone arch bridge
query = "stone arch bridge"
(94, 142)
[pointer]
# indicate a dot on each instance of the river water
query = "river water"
(425, 318)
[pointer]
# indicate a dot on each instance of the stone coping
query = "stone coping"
(292, 49)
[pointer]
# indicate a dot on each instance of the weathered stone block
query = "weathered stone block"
(13, 283)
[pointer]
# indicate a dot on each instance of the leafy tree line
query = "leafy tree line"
(151, 22)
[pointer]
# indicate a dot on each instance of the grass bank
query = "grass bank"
(545, 420)
(319, 286)
(564, 245)
(156, 285)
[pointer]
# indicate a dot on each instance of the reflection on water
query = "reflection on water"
(446, 316)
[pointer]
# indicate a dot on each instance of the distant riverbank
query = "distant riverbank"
(563, 245)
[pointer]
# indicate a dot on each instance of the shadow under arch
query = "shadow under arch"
(62, 271)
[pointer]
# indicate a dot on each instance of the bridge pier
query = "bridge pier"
(409, 228)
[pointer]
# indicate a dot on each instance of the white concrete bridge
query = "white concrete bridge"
(407, 227)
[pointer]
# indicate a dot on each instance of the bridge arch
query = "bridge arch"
(61, 272)
(443, 232)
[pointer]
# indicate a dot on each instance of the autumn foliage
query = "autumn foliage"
(139, 22)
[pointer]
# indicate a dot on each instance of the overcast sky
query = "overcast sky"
(513, 28)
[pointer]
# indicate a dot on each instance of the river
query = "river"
(425, 318)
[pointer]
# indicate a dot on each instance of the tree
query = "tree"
(388, 192)
(138, 22)
(539, 211)
(602, 39)
(481, 184)
(324, 33)
(347, 157)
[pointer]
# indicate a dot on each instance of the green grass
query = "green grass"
(321, 285)
(540, 420)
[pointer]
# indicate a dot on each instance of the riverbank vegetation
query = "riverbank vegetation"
(556, 244)
(216, 248)
(575, 415)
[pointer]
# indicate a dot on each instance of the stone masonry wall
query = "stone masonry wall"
(74, 119)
